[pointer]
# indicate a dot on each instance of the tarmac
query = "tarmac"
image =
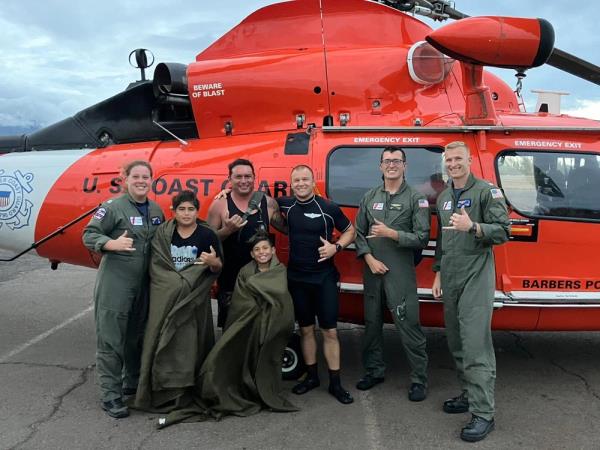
(547, 388)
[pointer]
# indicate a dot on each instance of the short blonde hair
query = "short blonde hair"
(458, 144)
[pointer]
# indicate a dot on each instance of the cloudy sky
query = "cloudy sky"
(59, 56)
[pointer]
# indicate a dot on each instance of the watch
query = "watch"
(473, 229)
(338, 248)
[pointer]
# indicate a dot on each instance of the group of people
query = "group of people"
(155, 339)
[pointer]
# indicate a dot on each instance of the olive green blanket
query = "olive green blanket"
(242, 374)
(179, 333)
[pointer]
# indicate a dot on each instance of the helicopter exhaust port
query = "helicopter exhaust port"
(170, 83)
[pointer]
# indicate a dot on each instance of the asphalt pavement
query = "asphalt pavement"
(547, 390)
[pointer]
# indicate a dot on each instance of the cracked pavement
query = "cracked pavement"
(547, 390)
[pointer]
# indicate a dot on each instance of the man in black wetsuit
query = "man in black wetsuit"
(312, 276)
(236, 220)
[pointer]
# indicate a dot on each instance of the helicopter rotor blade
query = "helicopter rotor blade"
(575, 66)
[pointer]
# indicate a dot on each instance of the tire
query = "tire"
(292, 366)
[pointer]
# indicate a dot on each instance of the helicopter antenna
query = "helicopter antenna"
(181, 141)
(141, 60)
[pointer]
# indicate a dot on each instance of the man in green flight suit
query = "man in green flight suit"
(121, 230)
(392, 222)
(472, 217)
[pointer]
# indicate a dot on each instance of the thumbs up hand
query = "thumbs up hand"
(327, 250)
(210, 259)
(120, 244)
(460, 222)
(380, 229)
(234, 223)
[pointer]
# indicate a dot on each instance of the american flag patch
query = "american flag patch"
(423, 203)
(4, 198)
(447, 206)
(496, 193)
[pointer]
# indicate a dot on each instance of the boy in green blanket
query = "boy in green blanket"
(186, 260)
(242, 373)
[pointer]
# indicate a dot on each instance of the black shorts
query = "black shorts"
(318, 299)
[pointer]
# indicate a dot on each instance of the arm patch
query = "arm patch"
(496, 193)
(100, 213)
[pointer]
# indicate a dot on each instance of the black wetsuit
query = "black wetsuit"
(312, 284)
(236, 251)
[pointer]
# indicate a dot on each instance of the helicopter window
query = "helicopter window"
(564, 185)
(352, 171)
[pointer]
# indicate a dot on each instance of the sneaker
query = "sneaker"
(115, 408)
(342, 395)
(457, 405)
(307, 385)
(417, 392)
(477, 429)
(367, 382)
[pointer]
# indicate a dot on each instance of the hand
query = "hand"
(380, 229)
(460, 222)
(233, 224)
(437, 286)
(222, 194)
(122, 244)
(210, 259)
(327, 250)
(376, 266)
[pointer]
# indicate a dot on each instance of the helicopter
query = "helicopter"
(332, 95)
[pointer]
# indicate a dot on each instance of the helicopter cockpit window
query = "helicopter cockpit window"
(564, 185)
(352, 171)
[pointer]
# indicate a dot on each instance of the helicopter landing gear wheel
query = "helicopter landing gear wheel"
(292, 366)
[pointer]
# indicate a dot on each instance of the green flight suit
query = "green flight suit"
(468, 280)
(407, 212)
(121, 291)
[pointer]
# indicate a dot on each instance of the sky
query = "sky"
(58, 56)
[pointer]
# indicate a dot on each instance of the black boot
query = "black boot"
(477, 429)
(115, 408)
(310, 382)
(336, 389)
(457, 405)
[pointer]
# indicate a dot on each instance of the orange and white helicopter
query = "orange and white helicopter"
(353, 77)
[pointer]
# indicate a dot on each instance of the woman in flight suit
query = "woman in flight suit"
(121, 230)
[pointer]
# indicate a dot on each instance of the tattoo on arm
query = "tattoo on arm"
(277, 219)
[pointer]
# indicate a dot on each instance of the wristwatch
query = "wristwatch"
(473, 229)
(338, 248)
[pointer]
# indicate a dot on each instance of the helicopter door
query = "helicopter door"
(556, 206)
